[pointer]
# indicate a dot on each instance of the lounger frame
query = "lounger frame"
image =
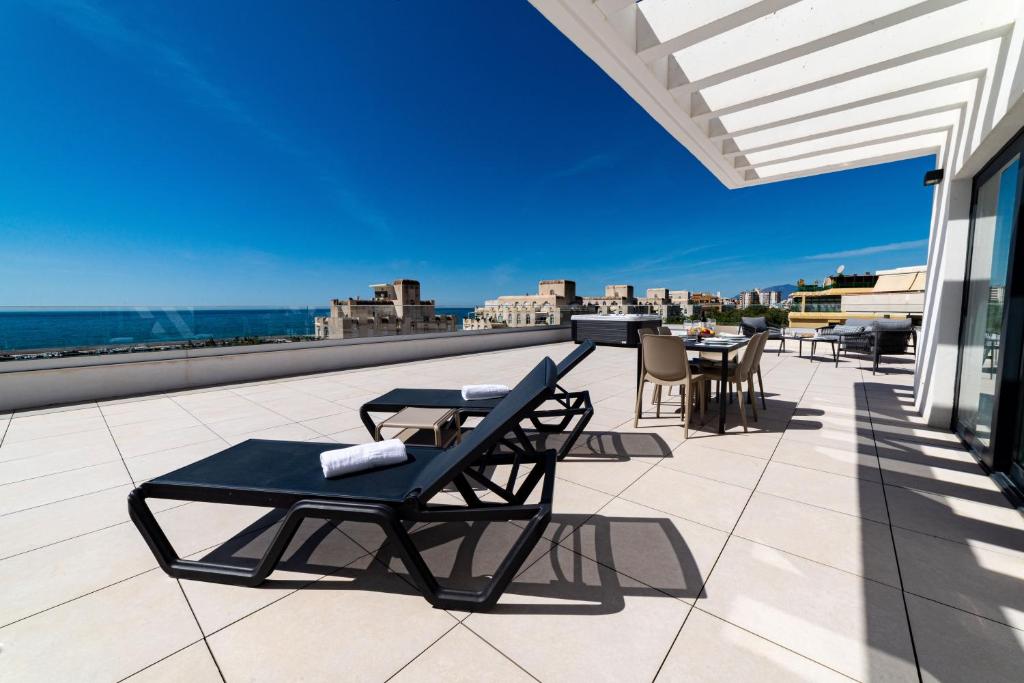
(392, 518)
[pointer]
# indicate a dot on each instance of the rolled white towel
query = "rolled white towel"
(478, 392)
(362, 457)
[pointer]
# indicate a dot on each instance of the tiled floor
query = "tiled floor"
(839, 539)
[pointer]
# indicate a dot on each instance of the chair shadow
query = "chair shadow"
(600, 561)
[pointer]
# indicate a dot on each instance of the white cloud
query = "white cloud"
(877, 249)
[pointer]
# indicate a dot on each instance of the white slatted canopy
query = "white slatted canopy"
(764, 90)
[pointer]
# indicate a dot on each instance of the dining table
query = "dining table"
(723, 345)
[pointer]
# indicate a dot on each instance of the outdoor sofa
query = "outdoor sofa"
(570, 404)
(288, 475)
(876, 337)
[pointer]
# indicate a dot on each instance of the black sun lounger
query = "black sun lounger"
(570, 403)
(287, 474)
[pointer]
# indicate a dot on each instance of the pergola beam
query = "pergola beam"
(713, 28)
(817, 45)
(1000, 32)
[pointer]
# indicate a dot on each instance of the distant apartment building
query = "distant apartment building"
(616, 299)
(554, 304)
(703, 302)
(394, 309)
(758, 297)
(660, 302)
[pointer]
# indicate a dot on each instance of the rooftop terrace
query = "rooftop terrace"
(841, 538)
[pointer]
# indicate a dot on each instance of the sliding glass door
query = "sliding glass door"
(981, 340)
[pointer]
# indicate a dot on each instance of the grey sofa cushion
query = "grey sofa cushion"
(894, 324)
(863, 323)
(846, 329)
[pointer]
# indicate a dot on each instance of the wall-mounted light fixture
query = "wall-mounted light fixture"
(933, 177)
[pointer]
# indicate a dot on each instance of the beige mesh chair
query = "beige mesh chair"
(755, 368)
(742, 372)
(665, 364)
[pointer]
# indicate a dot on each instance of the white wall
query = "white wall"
(975, 141)
(35, 383)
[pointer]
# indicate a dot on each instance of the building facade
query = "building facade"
(554, 304)
(894, 293)
(395, 309)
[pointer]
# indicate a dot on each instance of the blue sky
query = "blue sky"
(196, 153)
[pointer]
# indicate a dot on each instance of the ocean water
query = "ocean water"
(29, 329)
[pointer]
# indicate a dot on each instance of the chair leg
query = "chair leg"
(760, 383)
(740, 407)
(657, 401)
(656, 396)
(750, 395)
(685, 394)
(639, 397)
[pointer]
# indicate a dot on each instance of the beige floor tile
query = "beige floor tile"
(104, 636)
(461, 655)
(567, 618)
(317, 549)
(731, 468)
(363, 621)
(962, 479)
(193, 664)
(832, 491)
(980, 581)
(954, 646)
(33, 528)
(709, 649)
(853, 544)
(999, 528)
(60, 461)
(286, 432)
(338, 422)
(610, 477)
(697, 499)
(43, 578)
(49, 489)
(848, 623)
(662, 551)
(145, 467)
(756, 443)
(53, 424)
(80, 444)
(128, 412)
(847, 462)
(132, 443)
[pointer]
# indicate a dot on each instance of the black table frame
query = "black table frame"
(704, 347)
(836, 343)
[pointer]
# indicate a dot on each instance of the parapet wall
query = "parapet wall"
(37, 383)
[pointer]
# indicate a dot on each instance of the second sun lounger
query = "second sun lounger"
(571, 404)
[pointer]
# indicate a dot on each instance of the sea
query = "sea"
(23, 329)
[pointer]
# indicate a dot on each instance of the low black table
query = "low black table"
(705, 346)
(834, 341)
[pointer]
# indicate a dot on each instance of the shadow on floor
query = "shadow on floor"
(601, 560)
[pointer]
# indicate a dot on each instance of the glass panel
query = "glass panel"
(982, 332)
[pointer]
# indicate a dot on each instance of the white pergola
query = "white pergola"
(765, 90)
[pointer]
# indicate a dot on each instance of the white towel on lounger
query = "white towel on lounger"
(362, 457)
(478, 392)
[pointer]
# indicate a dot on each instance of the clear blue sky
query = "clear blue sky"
(165, 153)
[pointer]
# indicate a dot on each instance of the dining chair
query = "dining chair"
(742, 372)
(756, 368)
(664, 363)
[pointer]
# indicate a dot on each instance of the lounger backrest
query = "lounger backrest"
(575, 358)
(534, 389)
